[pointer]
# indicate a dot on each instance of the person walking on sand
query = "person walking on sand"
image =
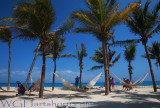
(76, 81)
(113, 82)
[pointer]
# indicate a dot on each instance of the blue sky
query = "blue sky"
(68, 68)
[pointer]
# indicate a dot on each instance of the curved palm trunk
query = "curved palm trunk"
(33, 62)
(81, 68)
(130, 71)
(9, 62)
(54, 74)
(151, 70)
(105, 67)
(43, 74)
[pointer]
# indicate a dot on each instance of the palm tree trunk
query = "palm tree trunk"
(130, 71)
(81, 68)
(108, 68)
(9, 62)
(105, 67)
(43, 74)
(151, 70)
(54, 74)
(33, 62)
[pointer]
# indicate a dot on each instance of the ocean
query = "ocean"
(145, 83)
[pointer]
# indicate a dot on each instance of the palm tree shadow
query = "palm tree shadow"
(2, 89)
(135, 96)
(3, 97)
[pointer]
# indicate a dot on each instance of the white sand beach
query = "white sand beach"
(141, 97)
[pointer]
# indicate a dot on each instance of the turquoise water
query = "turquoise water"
(145, 83)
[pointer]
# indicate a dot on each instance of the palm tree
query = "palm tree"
(154, 53)
(98, 57)
(6, 36)
(36, 17)
(56, 47)
(24, 33)
(80, 55)
(99, 20)
(64, 28)
(145, 23)
(129, 55)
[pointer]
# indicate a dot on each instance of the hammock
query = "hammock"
(133, 84)
(72, 87)
(37, 84)
(31, 79)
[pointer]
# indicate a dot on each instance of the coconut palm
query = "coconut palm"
(145, 23)
(98, 57)
(81, 53)
(154, 53)
(56, 47)
(99, 20)
(129, 55)
(12, 25)
(23, 33)
(36, 17)
(64, 28)
(6, 36)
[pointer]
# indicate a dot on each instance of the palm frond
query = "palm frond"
(130, 52)
(116, 58)
(82, 52)
(67, 55)
(65, 27)
(125, 42)
(5, 35)
(95, 68)
(8, 20)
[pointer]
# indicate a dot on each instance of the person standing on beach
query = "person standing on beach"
(112, 81)
(76, 81)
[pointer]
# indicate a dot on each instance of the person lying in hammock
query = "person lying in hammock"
(31, 88)
(127, 87)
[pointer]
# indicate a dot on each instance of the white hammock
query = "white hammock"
(72, 87)
(31, 79)
(133, 84)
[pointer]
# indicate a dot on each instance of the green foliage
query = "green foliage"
(56, 46)
(36, 16)
(130, 52)
(145, 22)
(81, 53)
(5, 35)
(96, 67)
(154, 52)
(125, 42)
(98, 57)
(101, 17)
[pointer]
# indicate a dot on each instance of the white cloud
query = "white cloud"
(3, 70)
(19, 73)
(36, 68)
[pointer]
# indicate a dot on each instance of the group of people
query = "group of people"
(127, 87)
(21, 89)
(111, 83)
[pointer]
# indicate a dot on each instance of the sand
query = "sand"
(141, 97)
